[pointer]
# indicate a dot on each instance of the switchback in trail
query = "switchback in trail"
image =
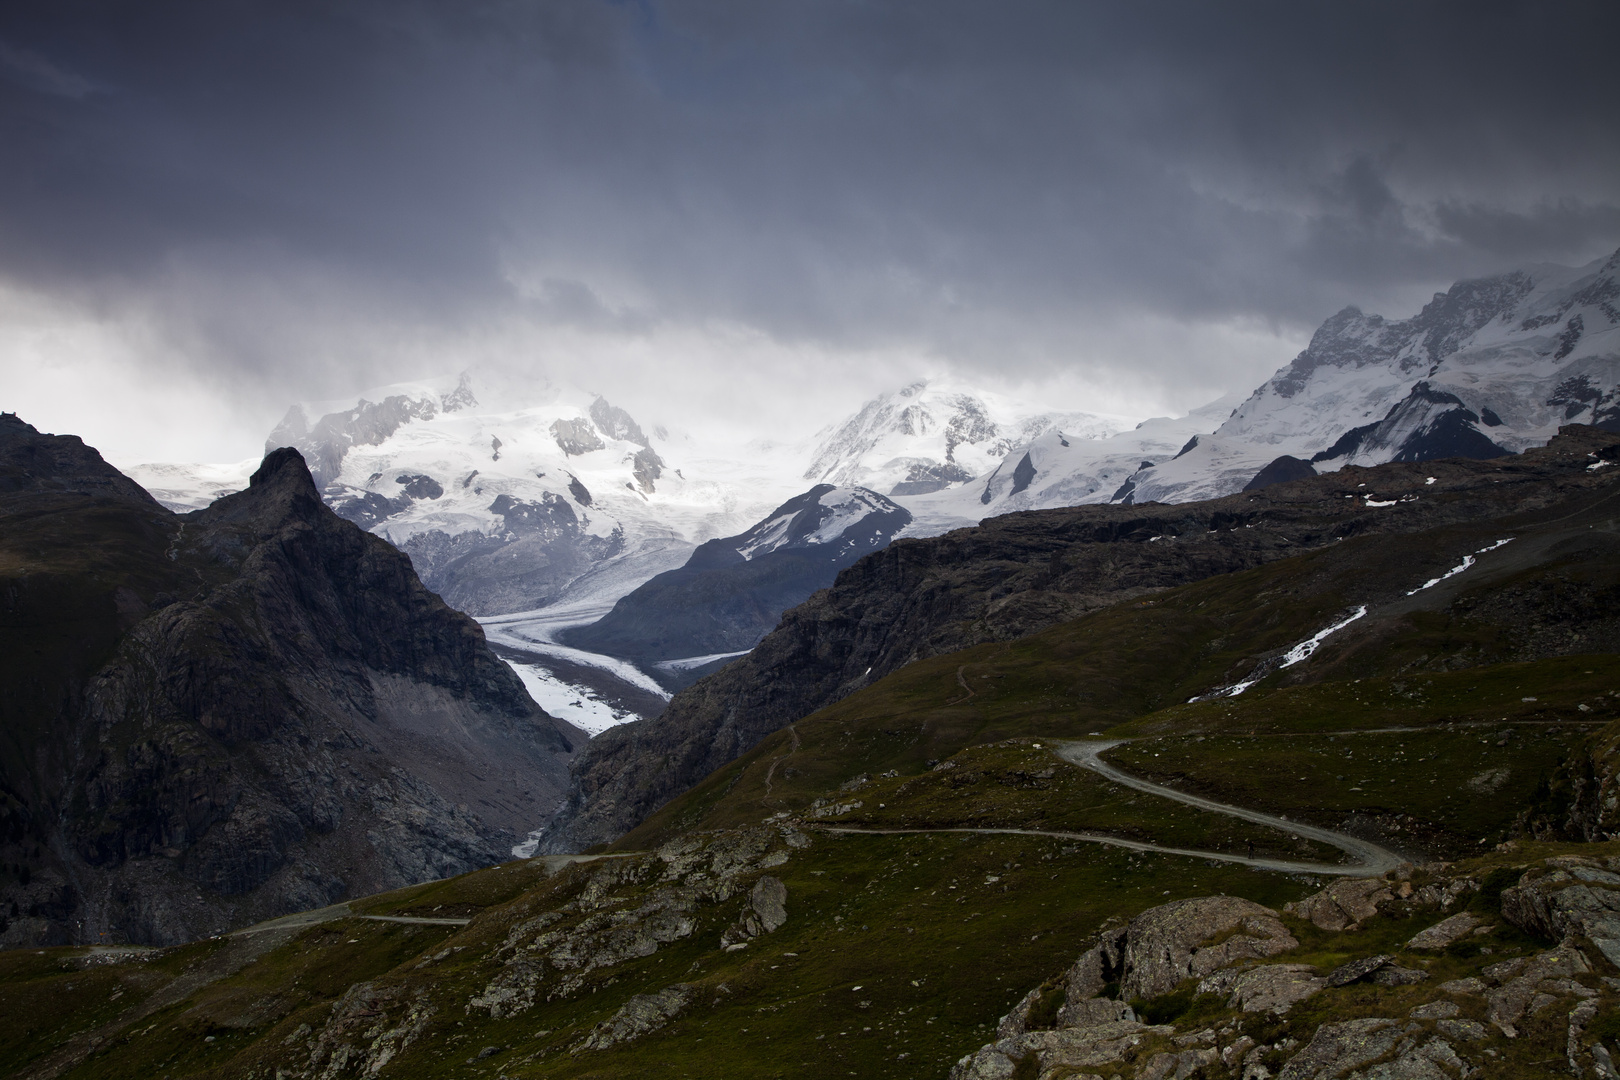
(1369, 859)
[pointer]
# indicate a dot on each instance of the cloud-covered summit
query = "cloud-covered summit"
(308, 197)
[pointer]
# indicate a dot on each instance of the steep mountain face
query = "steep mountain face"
(1490, 367)
(510, 505)
(251, 709)
(931, 436)
(1010, 577)
(733, 591)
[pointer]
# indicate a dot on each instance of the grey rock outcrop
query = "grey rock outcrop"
(631, 907)
(368, 1027)
(1575, 896)
(1064, 1048)
(767, 911)
(1403, 1052)
(1356, 970)
(641, 1015)
(1270, 988)
(1152, 955)
(1344, 904)
(1235, 949)
(575, 437)
(1445, 932)
(1184, 940)
(1529, 985)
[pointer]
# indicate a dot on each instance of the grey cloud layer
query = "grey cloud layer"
(977, 180)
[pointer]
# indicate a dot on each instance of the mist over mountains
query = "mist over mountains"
(551, 500)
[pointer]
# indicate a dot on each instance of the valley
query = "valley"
(1312, 776)
(669, 540)
(907, 880)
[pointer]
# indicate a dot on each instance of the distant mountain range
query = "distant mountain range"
(571, 505)
(1490, 367)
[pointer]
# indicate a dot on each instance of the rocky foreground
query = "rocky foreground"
(1455, 1000)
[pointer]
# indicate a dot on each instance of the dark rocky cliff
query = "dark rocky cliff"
(1009, 577)
(251, 709)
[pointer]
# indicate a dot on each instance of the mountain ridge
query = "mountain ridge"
(197, 702)
(733, 590)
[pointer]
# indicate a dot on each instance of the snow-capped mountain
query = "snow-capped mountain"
(733, 591)
(825, 518)
(539, 507)
(182, 487)
(933, 435)
(1058, 469)
(507, 508)
(1490, 367)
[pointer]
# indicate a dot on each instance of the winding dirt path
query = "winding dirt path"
(1368, 859)
(1371, 859)
(794, 731)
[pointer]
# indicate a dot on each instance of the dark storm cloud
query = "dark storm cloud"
(977, 180)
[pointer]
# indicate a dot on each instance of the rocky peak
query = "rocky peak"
(34, 462)
(280, 491)
(1459, 312)
(615, 423)
(283, 466)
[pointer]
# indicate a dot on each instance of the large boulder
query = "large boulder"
(1184, 940)
(1345, 904)
(1575, 896)
(766, 911)
(1407, 1053)
(1068, 1048)
(1446, 932)
(1270, 988)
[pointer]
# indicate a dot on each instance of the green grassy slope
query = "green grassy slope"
(1432, 724)
(898, 956)
(1423, 661)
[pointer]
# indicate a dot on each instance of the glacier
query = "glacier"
(538, 507)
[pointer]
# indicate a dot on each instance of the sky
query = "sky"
(754, 215)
